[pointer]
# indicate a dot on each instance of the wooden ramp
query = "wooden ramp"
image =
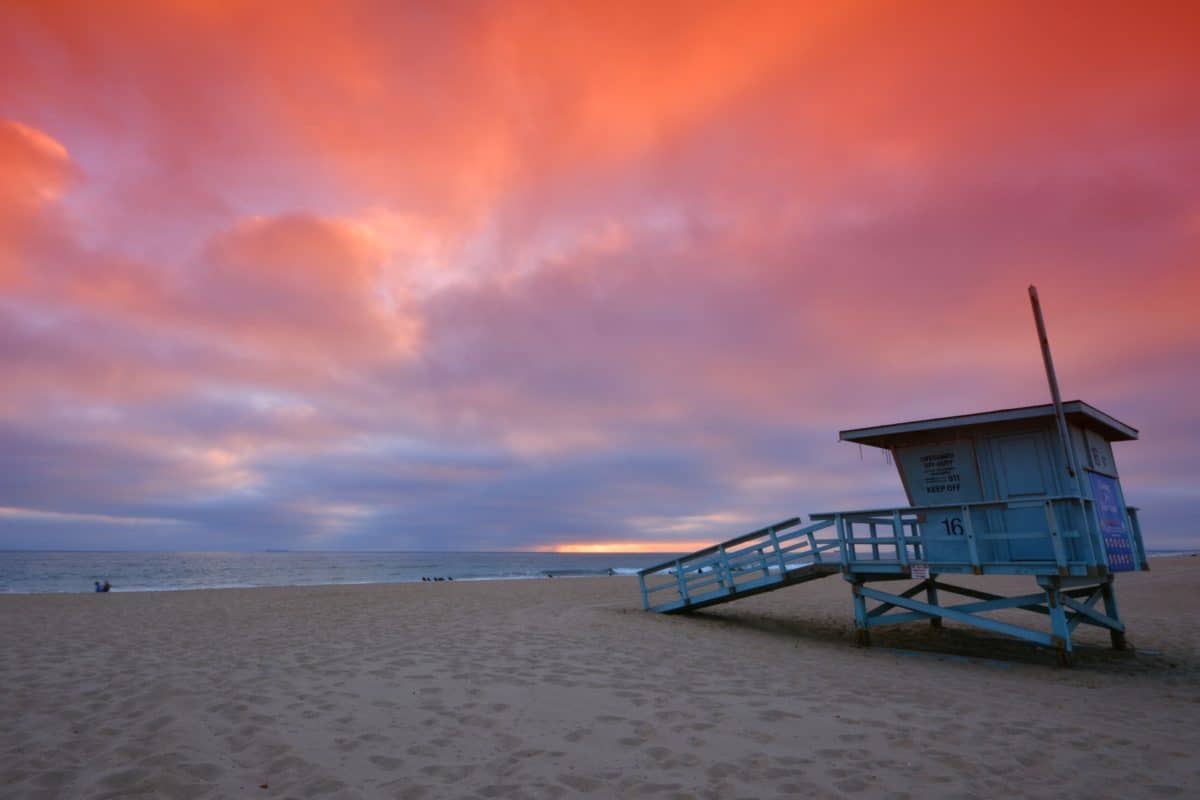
(779, 555)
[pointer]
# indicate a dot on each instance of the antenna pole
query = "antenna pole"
(1063, 431)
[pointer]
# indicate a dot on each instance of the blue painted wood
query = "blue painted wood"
(1035, 603)
(1058, 620)
(778, 526)
(1109, 593)
(898, 533)
(843, 547)
(723, 562)
(972, 544)
(912, 591)
(683, 589)
(931, 596)
(1024, 470)
(1077, 412)
(774, 537)
(862, 622)
(737, 568)
(1087, 613)
(986, 623)
(1056, 545)
(1090, 547)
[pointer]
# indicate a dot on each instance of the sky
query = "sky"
(513, 276)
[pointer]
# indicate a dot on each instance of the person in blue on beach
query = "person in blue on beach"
(98, 588)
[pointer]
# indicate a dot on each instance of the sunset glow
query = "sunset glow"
(572, 277)
(633, 546)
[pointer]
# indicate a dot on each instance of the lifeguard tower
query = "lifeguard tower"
(1022, 491)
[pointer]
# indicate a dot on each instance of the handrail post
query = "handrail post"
(762, 558)
(723, 560)
(778, 553)
(972, 547)
(645, 594)
(874, 543)
(812, 545)
(683, 592)
(898, 532)
(1060, 556)
(847, 557)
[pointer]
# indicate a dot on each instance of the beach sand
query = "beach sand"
(558, 688)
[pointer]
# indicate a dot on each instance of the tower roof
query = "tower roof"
(1076, 411)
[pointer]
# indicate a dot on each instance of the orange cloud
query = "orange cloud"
(35, 169)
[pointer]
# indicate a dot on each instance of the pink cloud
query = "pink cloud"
(302, 282)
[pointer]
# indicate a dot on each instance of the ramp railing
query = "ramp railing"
(750, 562)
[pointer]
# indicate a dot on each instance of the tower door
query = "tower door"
(1023, 471)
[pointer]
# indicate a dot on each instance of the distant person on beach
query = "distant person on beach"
(98, 587)
(107, 587)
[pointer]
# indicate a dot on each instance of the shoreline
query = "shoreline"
(32, 572)
(170, 590)
(620, 573)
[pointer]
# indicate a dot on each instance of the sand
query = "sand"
(563, 688)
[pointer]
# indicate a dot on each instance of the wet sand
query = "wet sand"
(562, 688)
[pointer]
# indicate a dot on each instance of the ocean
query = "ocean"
(26, 572)
(36, 572)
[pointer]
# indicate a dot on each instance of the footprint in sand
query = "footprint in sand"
(422, 750)
(157, 724)
(448, 773)
(852, 785)
(581, 783)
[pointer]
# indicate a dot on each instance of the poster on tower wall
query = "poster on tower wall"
(942, 474)
(1118, 544)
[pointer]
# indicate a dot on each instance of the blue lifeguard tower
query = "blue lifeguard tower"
(1022, 491)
